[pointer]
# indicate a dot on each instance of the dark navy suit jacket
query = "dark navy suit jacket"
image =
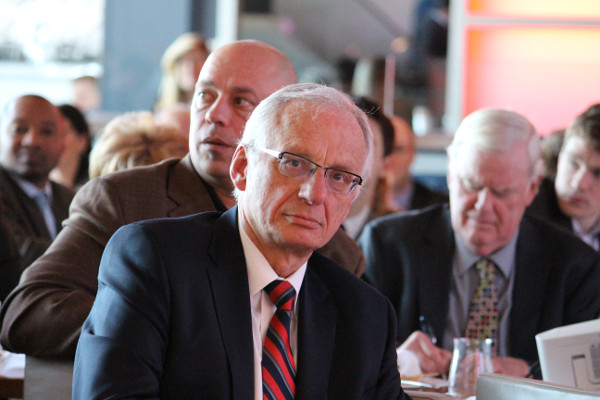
(409, 259)
(172, 320)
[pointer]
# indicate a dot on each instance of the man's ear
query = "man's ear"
(238, 168)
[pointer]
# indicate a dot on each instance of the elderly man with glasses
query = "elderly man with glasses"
(237, 305)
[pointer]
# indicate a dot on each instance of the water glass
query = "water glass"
(470, 358)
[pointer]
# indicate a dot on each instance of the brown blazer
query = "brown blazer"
(25, 220)
(43, 316)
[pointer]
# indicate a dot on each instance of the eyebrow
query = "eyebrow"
(235, 89)
(339, 167)
(25, 120)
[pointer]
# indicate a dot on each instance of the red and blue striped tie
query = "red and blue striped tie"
(278, 368)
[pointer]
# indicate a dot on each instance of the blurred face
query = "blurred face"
(488, 196)
(378, 149)
(281, 211)
(367, 193)
(233, 81)
(75, 144)
(188, 67)
(397, 164)
(578, 182)
(31, 139)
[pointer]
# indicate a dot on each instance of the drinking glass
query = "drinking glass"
(470, 358)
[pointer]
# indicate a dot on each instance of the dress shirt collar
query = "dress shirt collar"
(30, 189)
(591, 236)
(260, 273)
(404, 197)
(504, 258)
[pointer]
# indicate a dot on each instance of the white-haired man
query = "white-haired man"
(438, 265)
(194, 302)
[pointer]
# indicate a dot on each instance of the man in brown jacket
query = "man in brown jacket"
(43, 316)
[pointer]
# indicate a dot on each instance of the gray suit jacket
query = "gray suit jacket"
(409, 259)
(56, 293)
(25, 219)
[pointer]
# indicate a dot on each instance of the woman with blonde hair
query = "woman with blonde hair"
(181, 64)
(132, 140)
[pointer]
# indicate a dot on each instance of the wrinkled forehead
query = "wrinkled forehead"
(325, 128)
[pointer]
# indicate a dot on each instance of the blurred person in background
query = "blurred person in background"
(86, 94)
(181, 64)
(31, 143)
(132, 140)
(572, 200)
(362, 210)
(551, 145)
(398, 190)
(177, 115)
(72, 168)
(443, 263)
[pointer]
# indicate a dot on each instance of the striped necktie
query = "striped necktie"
(278, 368)
(483, 311)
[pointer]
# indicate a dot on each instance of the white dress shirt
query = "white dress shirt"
(260, 274)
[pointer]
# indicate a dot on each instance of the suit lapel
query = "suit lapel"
(229, 281)
(316, 336)
(187, 190)
(435, 261)
(30, 214)
(61, 198)
(531, 277)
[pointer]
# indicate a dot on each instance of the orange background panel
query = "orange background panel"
(555, 9)
(549, 74)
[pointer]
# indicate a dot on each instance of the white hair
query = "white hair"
(498, 131)
(267, 116)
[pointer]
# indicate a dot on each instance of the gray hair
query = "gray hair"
(498, 131)
(316, 98)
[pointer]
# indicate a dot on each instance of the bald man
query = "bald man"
(56, 294)
(31, 142)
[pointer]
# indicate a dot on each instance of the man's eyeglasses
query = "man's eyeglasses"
(301, 168)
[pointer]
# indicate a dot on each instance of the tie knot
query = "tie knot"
(282, 294)
(485, 266)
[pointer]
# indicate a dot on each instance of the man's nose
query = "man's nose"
(484, 199)
(582, 178)
(314, 189)
(31, 137)
(219, 112)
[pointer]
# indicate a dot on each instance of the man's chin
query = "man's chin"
(480, 243)
(305, 239)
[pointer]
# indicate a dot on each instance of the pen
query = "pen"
(427, 329)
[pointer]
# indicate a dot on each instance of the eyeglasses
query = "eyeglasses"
(301, 168)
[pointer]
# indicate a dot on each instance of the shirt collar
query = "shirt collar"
(504, 257)
(589, 237)
(30, 189)
(403, 198)
(260, 273)
(594, 229)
